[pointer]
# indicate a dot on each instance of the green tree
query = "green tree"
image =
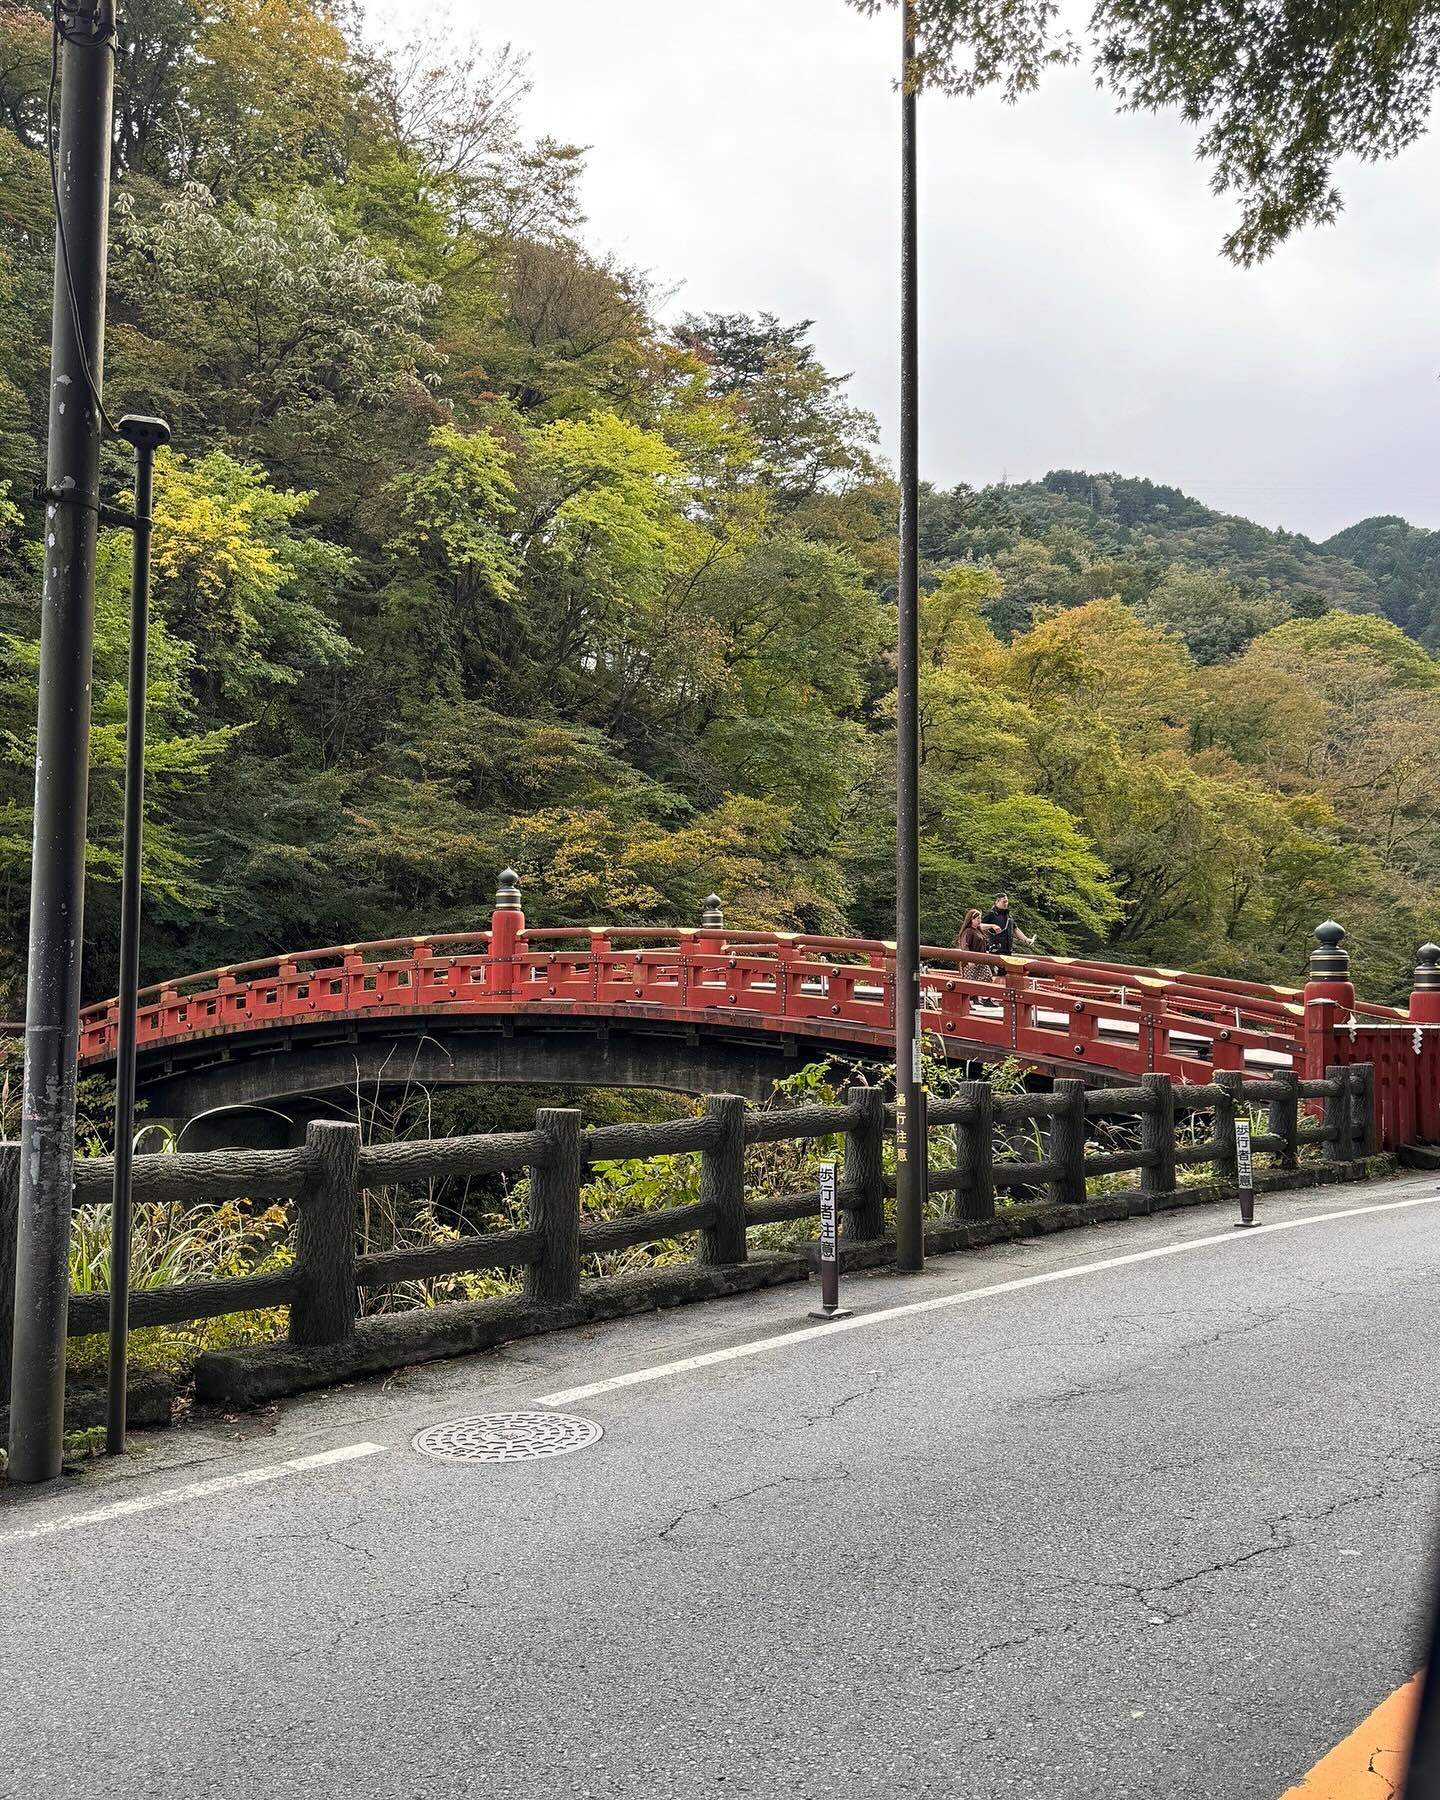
(473, 558)
(180, 755)
(239, 584)
(794, 630)
(1101, 659)
(1209, 613)
(1280, 94)
(268, 331)
(809, 437)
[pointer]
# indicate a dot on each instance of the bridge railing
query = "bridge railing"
(1067, 1015)
(1121, 1022)
(1405, 1057)
(1153, 1129)
(1064, 1012)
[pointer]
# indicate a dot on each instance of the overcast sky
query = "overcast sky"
(1076, 312)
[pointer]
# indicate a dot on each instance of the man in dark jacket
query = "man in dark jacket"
(1000, 923)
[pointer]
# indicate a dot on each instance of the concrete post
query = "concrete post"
(1230, 1082)
(555, 1207)
(1339, 1116)
(1284, 1119)
(975, 1154)
(864, 1166)
(722, 1184)
(1157, 1135)
(1067, 1143)
(323, 1311)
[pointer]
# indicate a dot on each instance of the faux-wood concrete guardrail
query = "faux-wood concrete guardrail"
(327, 1178)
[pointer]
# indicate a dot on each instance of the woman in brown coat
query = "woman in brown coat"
(974, 938)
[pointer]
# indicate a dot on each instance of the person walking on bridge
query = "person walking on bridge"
(1000, 923)
(973, 943)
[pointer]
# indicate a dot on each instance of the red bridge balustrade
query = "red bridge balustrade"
(1404, 1048)
(1108, 1022)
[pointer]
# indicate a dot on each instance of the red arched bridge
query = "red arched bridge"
(707, 1008)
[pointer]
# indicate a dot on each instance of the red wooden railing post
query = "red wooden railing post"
(507, 923)
(710, 938)
(1425, 995)
(1329, 997)
(1425, 1010)
(705, 952)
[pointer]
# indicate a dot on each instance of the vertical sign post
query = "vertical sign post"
(1245, 1175)
(829, 1307)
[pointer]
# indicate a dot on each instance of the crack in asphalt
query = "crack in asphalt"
(1224, 1566)
(981, 1656)
(1150, 1593)
(873, 1379)
(791, 1423)
(1177, 1465)
(715, 1506)
(458, 1595)
(1090, 1390)
(326, 1534)
(1224, 1324)
(1228, 1333)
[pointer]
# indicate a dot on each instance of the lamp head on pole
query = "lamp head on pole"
(144, 433)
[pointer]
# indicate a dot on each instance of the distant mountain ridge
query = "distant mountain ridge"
(1403, 561)
(1122, 534)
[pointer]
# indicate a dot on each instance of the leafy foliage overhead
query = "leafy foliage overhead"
(1280, 92)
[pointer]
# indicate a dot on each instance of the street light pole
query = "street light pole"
(146, 436)
(910, 1130)
(62, 751)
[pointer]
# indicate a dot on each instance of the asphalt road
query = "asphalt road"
(1154, 1529)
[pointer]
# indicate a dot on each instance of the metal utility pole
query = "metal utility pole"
(910, 1131)
(147, 435)
(62, 756)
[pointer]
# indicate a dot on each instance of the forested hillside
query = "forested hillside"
(465, 556)
(1076, 536)
(1404, 563)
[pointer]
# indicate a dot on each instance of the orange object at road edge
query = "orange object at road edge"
(1369, 1764)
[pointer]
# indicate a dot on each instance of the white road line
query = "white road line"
(862, 1321)
(196, 1490)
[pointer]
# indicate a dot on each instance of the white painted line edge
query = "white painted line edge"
(861, 1321)
(195, 1490)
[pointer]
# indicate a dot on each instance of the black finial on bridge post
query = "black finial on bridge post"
(712, 916)
(1425, 994)
(1328, 961)
(507, 892)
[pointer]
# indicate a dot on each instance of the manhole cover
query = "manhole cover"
(507, 1437)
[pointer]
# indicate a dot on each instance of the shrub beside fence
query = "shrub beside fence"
(326, 1180)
